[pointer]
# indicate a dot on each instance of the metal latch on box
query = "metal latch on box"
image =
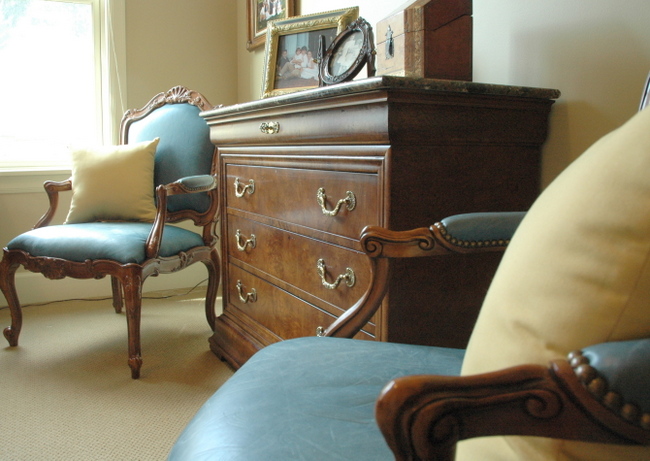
(390, 45)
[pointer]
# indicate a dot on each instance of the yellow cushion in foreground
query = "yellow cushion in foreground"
(576, 273)
(113, 183)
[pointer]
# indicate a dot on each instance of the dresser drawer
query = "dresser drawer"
(340, 279)
(336, 202)
(275, 309)
(361, 119)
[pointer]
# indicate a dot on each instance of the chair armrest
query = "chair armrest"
(52, 188)
(423, 417)
(615, 372)
(465, 233)
(192, 185)
(480, 230)
(186, 185)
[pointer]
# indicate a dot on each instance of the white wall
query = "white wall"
(596, 52)
(181, 42)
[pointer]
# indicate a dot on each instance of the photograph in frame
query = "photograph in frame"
(292, 47)
(260, 13)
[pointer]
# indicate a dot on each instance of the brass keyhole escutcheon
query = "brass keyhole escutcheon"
(270, 127)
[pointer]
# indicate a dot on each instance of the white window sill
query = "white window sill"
(29, 180)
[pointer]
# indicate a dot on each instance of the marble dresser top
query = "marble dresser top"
(387, 82)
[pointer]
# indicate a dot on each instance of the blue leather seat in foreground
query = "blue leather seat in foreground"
(307, 399)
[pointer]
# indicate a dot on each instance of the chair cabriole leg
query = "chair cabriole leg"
(132, 285)
(8, 287)
(118, 300)
(214, 272)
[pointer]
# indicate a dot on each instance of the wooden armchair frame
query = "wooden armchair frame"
(423, 417)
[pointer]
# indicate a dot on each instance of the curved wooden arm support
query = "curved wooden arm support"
(52, 188)
(353, 319)
(422, 417)
(182, 186)
(155, 236)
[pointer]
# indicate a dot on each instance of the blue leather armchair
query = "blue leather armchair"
(183, 183)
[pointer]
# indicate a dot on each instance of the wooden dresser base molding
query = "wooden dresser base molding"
(388, 151)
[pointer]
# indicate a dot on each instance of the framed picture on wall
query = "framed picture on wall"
(292, 47)
(260, 12)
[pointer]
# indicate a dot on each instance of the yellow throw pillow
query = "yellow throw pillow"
(577, 272)
(113, 183)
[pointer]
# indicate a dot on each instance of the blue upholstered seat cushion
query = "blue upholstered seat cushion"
(121, 242)
(307, 399)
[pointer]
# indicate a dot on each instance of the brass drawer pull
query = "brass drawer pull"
(240, 191)
(269, 127)
(350, 201)
(349, 276)
(249, 298)
(251, 242)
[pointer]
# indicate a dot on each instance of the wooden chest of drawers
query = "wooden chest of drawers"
(302, 174)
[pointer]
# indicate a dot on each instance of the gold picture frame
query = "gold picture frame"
(300, 32)
(260, 13)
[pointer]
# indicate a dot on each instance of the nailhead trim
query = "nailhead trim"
(598, 387)
(470, 243)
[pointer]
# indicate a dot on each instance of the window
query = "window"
(55, 75)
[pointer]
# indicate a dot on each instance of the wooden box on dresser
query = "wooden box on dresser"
(302, 174)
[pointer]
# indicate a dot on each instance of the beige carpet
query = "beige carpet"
(66, 391)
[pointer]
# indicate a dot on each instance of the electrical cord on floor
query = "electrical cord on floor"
(110, 297)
